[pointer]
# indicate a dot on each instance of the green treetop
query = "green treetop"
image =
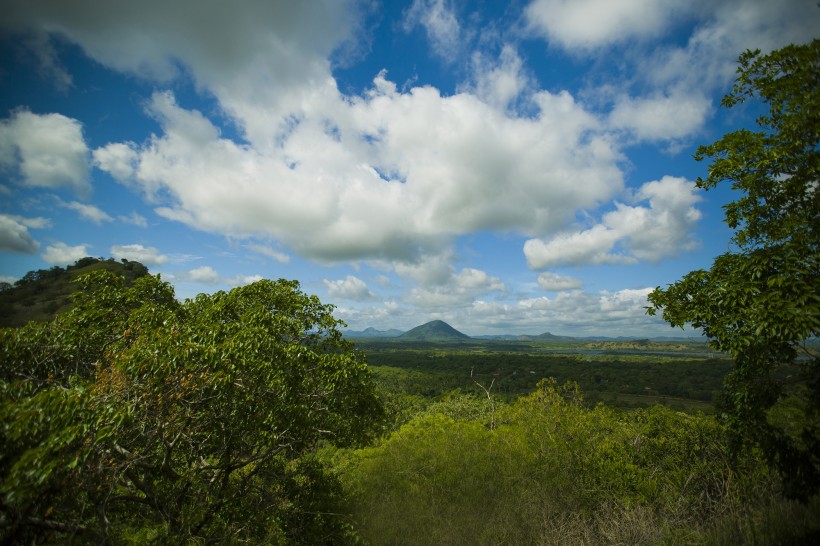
(134, 417)
(760, 302)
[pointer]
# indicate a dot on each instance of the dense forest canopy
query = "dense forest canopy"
(135, 417)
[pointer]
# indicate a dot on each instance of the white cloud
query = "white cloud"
(48, 150)
(134, 219)
(62, 254)
(595, 23)
(552, 282)
(463, 164)
(280, 257)
(119, 159)
(441, 24)
(242, 280)
(643, 233)
(260, 59)
(665, 117)
(309, 172)
(204, 274)
(395, 176)
(14, 235)
(458, 290)
(138, 253)
(572, 312)
(502, 82)
(89, 212)
(660, 88)
(349, 288)
(208, 275)
(37, 222)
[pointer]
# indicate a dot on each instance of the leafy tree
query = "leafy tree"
(134, 417)
(760, 302)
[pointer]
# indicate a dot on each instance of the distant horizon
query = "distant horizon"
(680, 334)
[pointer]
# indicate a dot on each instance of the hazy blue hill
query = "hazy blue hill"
(436, 330)
(372, 332)
(545, 337)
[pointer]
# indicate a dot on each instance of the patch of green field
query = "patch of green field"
(682, 379)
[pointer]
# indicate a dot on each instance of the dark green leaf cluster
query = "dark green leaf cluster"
(776, 168)
(761, 302)
(134, 417)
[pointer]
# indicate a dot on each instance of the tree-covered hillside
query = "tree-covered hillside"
(40, 295)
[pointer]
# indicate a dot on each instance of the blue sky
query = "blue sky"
(515, 167)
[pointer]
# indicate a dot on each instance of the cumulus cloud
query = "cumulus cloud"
(204, 274)
(383, 175)
(47, 150)
(396, 176)
(571, 312)
(552, 282)
(349, 288)
(139, 253)
(595, 23)
(400, 176)
(663, 117)
(460, 289)
(117, 158)
(662, 228)
(62, 254)
(14, 235)
(89, 212)
(260, 60)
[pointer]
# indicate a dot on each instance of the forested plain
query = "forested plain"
(530, 443)
(128, 416)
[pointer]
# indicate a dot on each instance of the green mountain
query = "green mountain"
(41, 294)
(436, 330)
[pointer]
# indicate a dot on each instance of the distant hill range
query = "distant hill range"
(41, 294)
(372, 332)
(438, 330)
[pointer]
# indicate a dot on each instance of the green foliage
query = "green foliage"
(761, 302)
(135, 415)
(551, 471)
